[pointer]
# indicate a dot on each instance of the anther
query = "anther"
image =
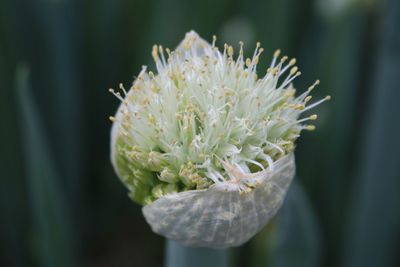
(230, 51)
(310, 127)
(283, 59)
(293, 70)
(154, 53)
(248, 62)
(214, 40)
(256, 60)
(152, 120)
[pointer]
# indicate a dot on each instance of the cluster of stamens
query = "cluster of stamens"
(175, 129)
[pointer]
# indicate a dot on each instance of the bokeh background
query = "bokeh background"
(60, 201)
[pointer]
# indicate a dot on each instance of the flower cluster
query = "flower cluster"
(203, 113)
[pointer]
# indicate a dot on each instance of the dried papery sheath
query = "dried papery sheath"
(205, 145)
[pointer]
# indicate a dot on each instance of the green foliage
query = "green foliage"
(51, 233)
(181, 256)
(297, 237)
(372, 235)
(60, 202)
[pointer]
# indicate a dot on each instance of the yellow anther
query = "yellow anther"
(313, 117)
(241, 48)
(146, 101)
(248, 62)
(112, 118)
(256, 60)
(308, 98)
(277, 53)
(293, 70)
(151, 118)
(310, 127)
(313, 86)
(230, 51)
(328, 97)
(292, 62)
(154, 53)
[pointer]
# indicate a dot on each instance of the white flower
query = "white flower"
(205, 107)
(206, 120)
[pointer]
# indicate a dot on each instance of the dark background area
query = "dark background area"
(61, 203)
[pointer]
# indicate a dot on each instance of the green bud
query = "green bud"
(168, 176)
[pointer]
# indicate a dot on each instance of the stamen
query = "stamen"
(214, 39)
(230, 51)
(154, 53)
(276, 55)
(121, 86)
(116, 94)
(317, 103)
(310, 127)
(312, 117)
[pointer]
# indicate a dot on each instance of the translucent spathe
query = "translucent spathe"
(222, 215)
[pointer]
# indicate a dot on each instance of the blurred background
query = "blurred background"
(61, 203)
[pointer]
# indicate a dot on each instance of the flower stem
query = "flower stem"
(178, 255)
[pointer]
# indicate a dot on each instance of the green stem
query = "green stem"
(178, 255)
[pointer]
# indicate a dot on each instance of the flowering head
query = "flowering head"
(205, 145)
(205, 120)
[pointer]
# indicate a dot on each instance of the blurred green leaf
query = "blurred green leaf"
(52, 233)
(13, 205)
(372, 237)
(57, 79)
(298, 234)
(178, 255)
(293, 237)
(333, 53)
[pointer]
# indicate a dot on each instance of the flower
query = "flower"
(206, 120)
